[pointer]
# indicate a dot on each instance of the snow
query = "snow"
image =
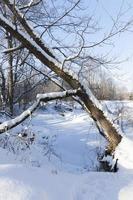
(69, 170)
(125, 153)
(95, 101)
(10, 123)
(55, 94)
(20, 183)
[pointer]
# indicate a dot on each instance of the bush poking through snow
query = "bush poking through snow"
(18, 142)
(48, 146)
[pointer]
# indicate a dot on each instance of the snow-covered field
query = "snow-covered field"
(58, 157)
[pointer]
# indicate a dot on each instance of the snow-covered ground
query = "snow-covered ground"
(58, 160)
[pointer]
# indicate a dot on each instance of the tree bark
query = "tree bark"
(10, 75)
(3, 88)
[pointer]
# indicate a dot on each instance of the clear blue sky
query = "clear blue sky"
(123, 44)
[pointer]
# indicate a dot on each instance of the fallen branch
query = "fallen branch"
(7, 125)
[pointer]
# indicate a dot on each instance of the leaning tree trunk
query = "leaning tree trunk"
(96, 112)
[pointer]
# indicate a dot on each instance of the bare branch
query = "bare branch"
(60, 18)
(11, 50)
(31, 4)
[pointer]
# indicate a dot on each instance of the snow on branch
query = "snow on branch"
(10, 50)
(7, 125)
(30, 4)
(27, 27)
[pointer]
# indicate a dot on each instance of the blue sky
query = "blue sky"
(122, 48)
(123, 44)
